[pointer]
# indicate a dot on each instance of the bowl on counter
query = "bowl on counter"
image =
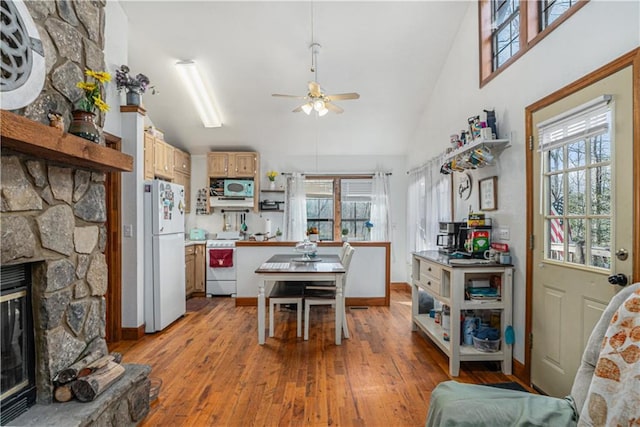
(260, 237)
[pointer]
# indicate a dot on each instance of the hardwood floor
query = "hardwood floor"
(214, 372)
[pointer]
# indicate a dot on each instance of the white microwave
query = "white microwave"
(238, 188)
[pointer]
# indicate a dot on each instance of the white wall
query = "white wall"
(598, 33)
(322, 164)
(115, 54)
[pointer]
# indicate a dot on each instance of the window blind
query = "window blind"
(355, 190)
(589, 119)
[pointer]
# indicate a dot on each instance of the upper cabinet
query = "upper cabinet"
(163, 159)
(148, 157)
(239, 164)
(232, 164)
(182, 174)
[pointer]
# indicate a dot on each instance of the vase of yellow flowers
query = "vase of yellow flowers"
(83, 123)
(271, 175)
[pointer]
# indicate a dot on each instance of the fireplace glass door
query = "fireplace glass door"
(17, 362)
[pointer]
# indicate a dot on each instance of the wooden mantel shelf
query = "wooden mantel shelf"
(30, 137)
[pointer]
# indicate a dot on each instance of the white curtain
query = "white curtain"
(295, 209)
(380, 207)
(428, 203)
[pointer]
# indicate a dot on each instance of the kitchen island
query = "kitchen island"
(369, 275)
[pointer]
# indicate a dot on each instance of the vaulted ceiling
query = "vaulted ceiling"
(391, 53)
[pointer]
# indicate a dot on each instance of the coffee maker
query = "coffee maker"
(448, 240)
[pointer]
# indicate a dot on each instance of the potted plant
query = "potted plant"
(134, 86)
(278, 235)
(271, 175)
(83, 122)
(313, 234)
(345, 234)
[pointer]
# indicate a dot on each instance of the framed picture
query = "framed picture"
(488, 190)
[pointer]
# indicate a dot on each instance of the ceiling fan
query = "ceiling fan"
(316, 99)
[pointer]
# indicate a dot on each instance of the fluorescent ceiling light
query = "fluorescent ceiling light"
(199, 94)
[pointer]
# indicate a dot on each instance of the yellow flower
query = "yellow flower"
(100, 104)
(272, 175)
(101, 76)
(86, 86)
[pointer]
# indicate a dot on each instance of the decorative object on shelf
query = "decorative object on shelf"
(488, 192)
(271, 175)
(313, 234)
(345, 234)
(465, 186)
(83, 122)
(368, 225)
(56, 120)
(134, 86)
(278, 234)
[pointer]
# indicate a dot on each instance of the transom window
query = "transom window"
(550, 10)
(508, 28)
(505, 17)
(577, 187)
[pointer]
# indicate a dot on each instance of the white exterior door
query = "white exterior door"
(582, 214)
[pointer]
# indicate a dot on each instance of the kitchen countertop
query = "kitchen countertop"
(194, 242)
(444, 259)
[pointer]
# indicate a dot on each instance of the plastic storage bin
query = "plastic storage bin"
(487, 346)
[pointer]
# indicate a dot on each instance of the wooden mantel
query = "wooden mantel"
(30, 137)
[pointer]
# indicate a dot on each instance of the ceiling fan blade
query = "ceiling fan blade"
(333, 107)
(289, 96)
(297, 109)
(343, 96)
(314, 89)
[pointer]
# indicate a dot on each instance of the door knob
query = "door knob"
(618, 279)
(622, 254)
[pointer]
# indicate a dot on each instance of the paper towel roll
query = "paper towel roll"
(267, 226)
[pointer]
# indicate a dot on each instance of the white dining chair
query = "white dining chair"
(286, 293)
(326, 295)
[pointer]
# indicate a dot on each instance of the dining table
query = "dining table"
(296, 268)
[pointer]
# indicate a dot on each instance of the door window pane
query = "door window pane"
(556, 159)
(576, 233)
(600, 149)
(576, 196)
(601, 243)
(576, 154)
(601, 190)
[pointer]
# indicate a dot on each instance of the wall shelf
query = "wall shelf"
(460, 156)
(36, 139)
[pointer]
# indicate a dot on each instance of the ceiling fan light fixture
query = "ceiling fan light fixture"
(318, 105)
(323, 112)
(199, 93)
(307, 108)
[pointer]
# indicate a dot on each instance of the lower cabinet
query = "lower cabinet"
(189, 267)
(199, 268)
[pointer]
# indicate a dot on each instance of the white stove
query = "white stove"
(221, 264)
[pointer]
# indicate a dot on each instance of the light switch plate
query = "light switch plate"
(503, 234)
(127, 230)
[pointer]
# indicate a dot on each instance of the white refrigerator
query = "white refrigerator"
(164, 270)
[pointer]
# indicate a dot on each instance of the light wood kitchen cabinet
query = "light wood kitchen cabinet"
(181, 162)
(163, 159)
(232, 164)
(200, 268)
(148, 156)
(217, 164)
(182, 174)
(189, 270)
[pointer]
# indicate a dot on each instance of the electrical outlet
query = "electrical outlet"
(503, 234)
(127, 230)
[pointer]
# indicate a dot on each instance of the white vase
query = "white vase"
(272, 185)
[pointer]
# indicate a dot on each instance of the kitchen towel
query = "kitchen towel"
(220, 258)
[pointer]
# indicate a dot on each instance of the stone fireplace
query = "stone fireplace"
(53, 219)
(53, 206)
